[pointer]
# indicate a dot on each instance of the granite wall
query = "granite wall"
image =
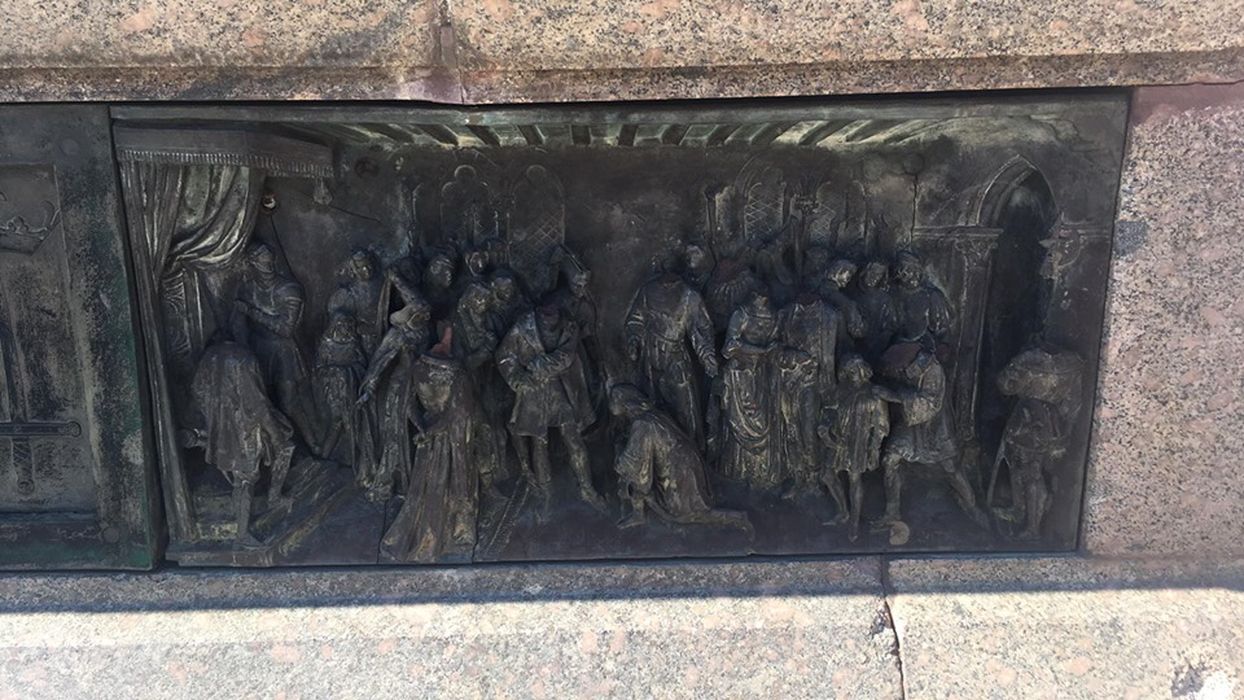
(1164, 472)
(505, 50)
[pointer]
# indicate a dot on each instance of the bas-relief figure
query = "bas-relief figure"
(488, 380)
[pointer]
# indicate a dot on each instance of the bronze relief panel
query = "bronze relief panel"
(423, 335)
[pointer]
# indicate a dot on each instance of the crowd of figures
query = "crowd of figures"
(445, 374)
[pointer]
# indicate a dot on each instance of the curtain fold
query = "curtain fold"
(187, 220)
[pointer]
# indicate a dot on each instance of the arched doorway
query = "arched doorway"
(1020, 204)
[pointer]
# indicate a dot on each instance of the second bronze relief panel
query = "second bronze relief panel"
(435, 336)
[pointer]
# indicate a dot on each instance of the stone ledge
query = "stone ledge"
(998, 626)
(452, 86)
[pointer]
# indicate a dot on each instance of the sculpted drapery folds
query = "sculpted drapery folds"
(242, 431)
(437, 521)
(388, 382)
(665, 317)
(498, 374)
(747, 397)
(266, 314)
(805, 372)
(659, 468)
(350, 430)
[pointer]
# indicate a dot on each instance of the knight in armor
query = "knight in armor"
(660, 469)
(853, 437)
(539, 359)
(665, 317)
(359, 297)
(266, 314)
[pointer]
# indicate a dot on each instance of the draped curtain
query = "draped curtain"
(191, 198)
(190, 220)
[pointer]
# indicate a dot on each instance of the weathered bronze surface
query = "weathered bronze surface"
(76, 485)
(389, 334)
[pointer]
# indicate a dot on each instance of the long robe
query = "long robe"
(661, 465)
(664, 317)
(437, 518)
(748, 402)
(809, 330)
(389, 376)
(340, 366)
(243, 428)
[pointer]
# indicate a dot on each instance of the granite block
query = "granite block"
(783, 630)
(76, 34)
(1068, 628)
(1164, 467)
(621, 34)
(492, 51)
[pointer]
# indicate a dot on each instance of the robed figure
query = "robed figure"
(474, 342)
(388, 381)
(809, 329)
(436, 522)
(665, 317)
(746, 395)
(350, 429)
(242, 431)
(660, 469)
